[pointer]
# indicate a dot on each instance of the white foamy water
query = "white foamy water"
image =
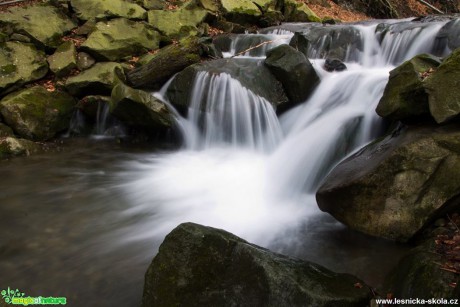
(255, 175)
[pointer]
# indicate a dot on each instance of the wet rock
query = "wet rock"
(405, 96)
(97, 80)
(28, 20)
(331, 65)
(443, 89)
(119, 38)
(37, 114)
(93, 105)
(294, 71)
(252, 74)
(64, 59)
(12, 147)
(329, 41)
(138, 108)
(177, 23)
(88, 9)
(394, 186)
(448, 37)
(168, 61)
(84, 61)
(204, 266)
(19, 64)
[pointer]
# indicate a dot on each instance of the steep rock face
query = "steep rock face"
(294, 71)
(393, 187)
(405, 96)
(88, 9)
(252, 75)
(119, 38)
(46, 32)
(37, 114)
(443, 87)
(19, 64)
(203, 266)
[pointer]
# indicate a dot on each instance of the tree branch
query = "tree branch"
(430, 6)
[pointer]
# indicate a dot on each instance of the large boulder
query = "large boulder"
(19, 64)
(294, 71)
(179, 22)
(138, 108)
(393, 187)
(37, 114)
(405, 96)
(443, 89)
(330, 41)
(12, 147)
(97, 80)
(203, 266)
(29, 20)
(64, 59)
(167, 62)
(5, 130)
(298, 11)
(99, 9)
(119, 38)
(252, 74)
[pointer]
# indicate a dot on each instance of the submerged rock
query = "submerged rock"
(64, 59)
(88, 9)
(405, 96)
(294, 71)
(393, 187)
(119, 38)
(37, 114)
(252, 74)
(444, 90)
(12, 147)
(19, 64)
(97, 80)
(203, 266)
(29, 20)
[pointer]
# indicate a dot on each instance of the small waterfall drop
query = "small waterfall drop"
(248, 172)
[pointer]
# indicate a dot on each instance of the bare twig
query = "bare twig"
(11, 2)
(430, 6)
(255, 47)
(456, 226)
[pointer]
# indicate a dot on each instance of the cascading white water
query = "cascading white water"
(241, 172)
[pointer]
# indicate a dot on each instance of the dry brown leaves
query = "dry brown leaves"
(76, 40)
(426, 74)
(448, 245)
(214, 31)
(337, 12)
(4, 7)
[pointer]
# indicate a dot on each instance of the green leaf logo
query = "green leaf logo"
(9, 294)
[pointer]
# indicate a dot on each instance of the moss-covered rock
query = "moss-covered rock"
(405, 96)
(177, 23)
(12, 147)
(29, 20)
(97, 80)
(204, 266)
(297, 11)
(5, 130)
(93, 105)
(443, 87)
(393, 187)
(138, 108)
(168, 61)
(37, 114)
(119, 38)
(153, 4)
(85, 61)
(294, 71)
(19, 64)
(251, 74)
(88, 9)
(64, 59)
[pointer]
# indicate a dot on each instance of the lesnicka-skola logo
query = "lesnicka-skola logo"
(16, 297)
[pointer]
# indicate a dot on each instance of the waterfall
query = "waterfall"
(253, 174)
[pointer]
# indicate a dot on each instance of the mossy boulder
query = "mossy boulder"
(37, 114)
(204, 266)
(63, 60)
(177, 23)
(99, 9)
(119, 38)
(97, 80)
(294, 71)
(251, 74)
(5, 130)
(44, 24)
(405, 96)
(297, 11)
(85, 61)
(443, 87)
(154, 4)
(13, 147)
(138, 108)
(166, 62)
(19, 64)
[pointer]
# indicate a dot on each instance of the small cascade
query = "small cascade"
(102, 116)
(257, 44)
